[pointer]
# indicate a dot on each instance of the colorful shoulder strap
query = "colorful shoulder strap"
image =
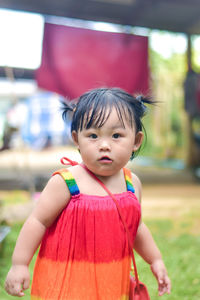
(72, 185)
(70, 181)
(128, 178)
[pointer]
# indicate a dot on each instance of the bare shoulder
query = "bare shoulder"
(81, 176)
(83, 179)
(57, 187)
(137, 186)
(52, 201)
(77, 171)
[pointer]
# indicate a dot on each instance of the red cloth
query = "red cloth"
(75, 60)
(85, 254)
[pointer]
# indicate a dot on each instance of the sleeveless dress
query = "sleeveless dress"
(84, 255)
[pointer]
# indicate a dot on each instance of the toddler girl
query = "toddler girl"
(84, 253)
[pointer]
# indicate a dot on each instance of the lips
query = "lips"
(105, 159)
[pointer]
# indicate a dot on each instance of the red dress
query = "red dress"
(84, 255)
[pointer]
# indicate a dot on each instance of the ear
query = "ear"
(138, 140)
(75, 138)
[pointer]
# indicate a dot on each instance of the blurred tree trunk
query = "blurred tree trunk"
(193, 146)
(193, 149)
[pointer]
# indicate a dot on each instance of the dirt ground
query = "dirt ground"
(170, 200)
(158, 201)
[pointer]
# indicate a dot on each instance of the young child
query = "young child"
(84, 251)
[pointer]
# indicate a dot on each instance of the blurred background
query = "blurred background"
(54, 51)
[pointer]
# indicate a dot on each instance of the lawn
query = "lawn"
(5, 261)
(178, 242)
(180, 251)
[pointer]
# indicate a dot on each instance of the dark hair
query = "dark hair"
(94, 107)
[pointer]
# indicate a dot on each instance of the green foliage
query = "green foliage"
(166, 122)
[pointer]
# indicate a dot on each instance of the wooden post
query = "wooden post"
(189, 52)
(193, 151)
(189, 121)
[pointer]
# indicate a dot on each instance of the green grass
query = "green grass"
(5, 261)
(181, 255)
(180, 249)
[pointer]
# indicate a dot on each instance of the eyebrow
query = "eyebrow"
(118, 126)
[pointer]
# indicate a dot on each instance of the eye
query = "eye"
(93, 136)
(116, 135)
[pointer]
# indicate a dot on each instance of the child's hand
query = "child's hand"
(17, 280)
(160, 272)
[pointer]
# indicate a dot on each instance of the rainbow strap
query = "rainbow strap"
(70, 181)
(73, 187)
(128, 178)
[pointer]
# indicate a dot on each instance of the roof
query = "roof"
(172, 15)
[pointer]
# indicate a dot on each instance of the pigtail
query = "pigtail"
(141, 102)
(67, 108)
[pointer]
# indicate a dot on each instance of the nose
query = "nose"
(104, 146)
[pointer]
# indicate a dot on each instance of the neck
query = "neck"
(104, 179)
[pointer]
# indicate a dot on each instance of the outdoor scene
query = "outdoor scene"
(33, 136)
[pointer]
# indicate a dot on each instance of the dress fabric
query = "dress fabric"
(84, 255)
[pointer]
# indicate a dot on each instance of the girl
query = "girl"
(84, 252)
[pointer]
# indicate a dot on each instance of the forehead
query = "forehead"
(94, 112)
(113, 118)
(108, 116)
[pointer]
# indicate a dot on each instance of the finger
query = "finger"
(6, 286)
(162, 290)
(26, 284)
(21, 294)
(165, 287)
(14, 289)
(161, 293)
(168, 284)
(160, 277)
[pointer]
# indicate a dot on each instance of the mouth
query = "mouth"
(105, 159)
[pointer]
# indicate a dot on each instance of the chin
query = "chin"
(105, 172)
(99, 171)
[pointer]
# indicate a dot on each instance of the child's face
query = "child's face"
(107, 149)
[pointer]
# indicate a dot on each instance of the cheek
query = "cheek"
(85, 147)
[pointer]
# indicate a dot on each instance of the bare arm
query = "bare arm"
(52, 201)
(146, 247)
(28, 241)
